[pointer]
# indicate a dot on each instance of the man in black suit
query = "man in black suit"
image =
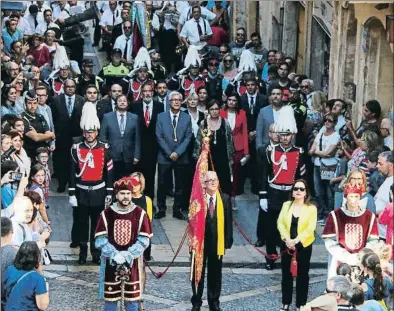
(162, 94)
(147, 111)
(66, 112)
(252, 101)
(122, 131)
(108, 105)
(214, 274)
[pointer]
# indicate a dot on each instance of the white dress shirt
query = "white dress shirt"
(208, 197)
(72, 101)
(249, 99)
(150, 108)
(42, 27)
(177, 117)
(381, 200)
(190, 31)
(231, 116)
(120, 43)
(118, 116)
(186, 14)
(195, 126)
(102, 5)
(107, 18)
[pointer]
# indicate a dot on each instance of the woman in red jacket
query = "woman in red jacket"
(236, 117)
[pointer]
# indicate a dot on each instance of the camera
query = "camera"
(16, 176)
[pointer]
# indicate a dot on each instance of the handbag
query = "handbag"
(327, 172)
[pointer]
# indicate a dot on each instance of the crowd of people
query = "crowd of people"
(174, 79)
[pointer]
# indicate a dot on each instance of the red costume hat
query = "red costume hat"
(125, 183)
(349, 189)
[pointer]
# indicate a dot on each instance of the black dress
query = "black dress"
(141, 202)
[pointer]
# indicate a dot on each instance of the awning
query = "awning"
(11, 6)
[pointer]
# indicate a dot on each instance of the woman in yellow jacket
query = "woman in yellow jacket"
(296, 225)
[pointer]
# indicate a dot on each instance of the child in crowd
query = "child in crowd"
(37, 180)
(144, 202)
(374, 178)
(386, 218)
(43, 158)
(340, 175)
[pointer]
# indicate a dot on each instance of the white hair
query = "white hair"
(310, 83)
(342, 285)
(174, 93)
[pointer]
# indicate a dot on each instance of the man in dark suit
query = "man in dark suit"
(173, 133)
(252, 102)
(147, 111)
(122, 131)
(162, 94)
(108, 105)
(66, 112)
(214, 274)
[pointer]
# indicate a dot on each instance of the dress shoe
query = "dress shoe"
(82, 259)
(259, 243)
(160, 214)
(96, 259)
(269, 267)
(61, 189)
(74, 245)
(195, 308)
(179, 215)
(95, 44)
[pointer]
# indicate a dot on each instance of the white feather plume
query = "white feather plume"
(89, 119)
(142, 59)
(192, 57)
(286, 121)
(246, 62)
(60, 60)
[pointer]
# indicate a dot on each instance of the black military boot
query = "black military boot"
(83, 253)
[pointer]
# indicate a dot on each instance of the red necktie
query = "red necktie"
(211, 206)
(147, 116)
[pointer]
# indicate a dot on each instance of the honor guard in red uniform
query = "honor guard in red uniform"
(123, 233)
(188, 79)
(61, 66)
(246, 70)
(281, 165)
(90, 185)
(141, 74)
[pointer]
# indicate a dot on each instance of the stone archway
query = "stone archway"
(375, 77)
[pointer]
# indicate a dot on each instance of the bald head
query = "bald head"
(386, 127)
(23, 208)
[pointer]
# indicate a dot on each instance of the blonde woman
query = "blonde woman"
(314, 118)
(229, 70)
(296, 225)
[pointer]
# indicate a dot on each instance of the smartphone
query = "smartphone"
(28, 75)
(16, 176)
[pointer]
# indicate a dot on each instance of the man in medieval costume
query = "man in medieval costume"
(348, 230)
(188, 79)
(247, 70)
(90, 184)
(281, 165)
(210, 232)
(140, 75)
(123, 232)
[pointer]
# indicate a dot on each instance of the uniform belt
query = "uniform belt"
(99, 186)
(280, 187)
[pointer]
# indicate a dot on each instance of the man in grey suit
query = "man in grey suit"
(121, 130)
(173, 133)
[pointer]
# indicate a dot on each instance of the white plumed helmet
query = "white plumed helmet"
(286, 122)
(89, 120)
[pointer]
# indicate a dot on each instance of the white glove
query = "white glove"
(264, 204)
(119, 259)
(108, 200)
(353, 260)
(128, 257)
(73, 201)
(238, 76)
(180, 72)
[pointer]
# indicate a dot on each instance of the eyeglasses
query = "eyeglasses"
(214, 64)
(304, 86)
(41, 95)
(302, 189)
(328, 291)
(212, 181)
(223, 52)
(384, 128)
(176, 100)
(329, 120)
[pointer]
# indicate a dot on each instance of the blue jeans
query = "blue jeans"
(113, 306)
(324, 194)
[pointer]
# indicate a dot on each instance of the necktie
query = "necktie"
(125, 49)
(251, 105)
(122, 124)
(113, 18)
(70, 107)
(35, 22)
(147, 116)
(174, 122)
(211, 207)
(48, 26)
(199, 28)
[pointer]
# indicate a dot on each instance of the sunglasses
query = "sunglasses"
(302, 189)
(304, 86)
(214, 64)
(228, 60)
(223, 52)
(126, 27)
(329, 120)
(240, 34)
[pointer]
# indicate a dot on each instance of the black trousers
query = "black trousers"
(82, 215)
(214, 285)
(164, 177)
(302, 280)
(97, 32)
(148, 168)
(168, 41)
(261, 230)
(122, 169)
(61, 163)
(250, 169)
(276, 198)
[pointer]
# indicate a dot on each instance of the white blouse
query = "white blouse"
(231, 116)
(195, 126)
